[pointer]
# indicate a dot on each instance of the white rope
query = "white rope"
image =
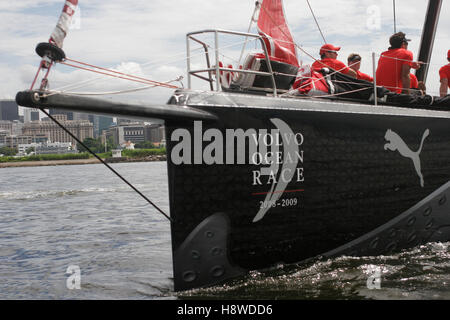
(317, 23)
(53, 92)
(252, 19)
(104, 78)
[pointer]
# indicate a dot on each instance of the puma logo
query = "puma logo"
(396, 143)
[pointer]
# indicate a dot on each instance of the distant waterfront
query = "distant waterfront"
(137, 155)
(77, 161)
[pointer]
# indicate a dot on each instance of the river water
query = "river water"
(79, 226)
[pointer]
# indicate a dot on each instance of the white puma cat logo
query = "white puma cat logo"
(395, 143)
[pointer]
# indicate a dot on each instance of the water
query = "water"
(55, 217)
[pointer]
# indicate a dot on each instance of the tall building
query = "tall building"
(103, 123)
(68, 114)
(82, 129)
(30, 115)
(9, 110)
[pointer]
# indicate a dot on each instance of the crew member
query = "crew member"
(328, 55)
(354, 62)
(444, 74)
(395, 64)
(414, 83)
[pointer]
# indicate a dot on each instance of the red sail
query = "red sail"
(272, 25)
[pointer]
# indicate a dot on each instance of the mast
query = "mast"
(428, 34)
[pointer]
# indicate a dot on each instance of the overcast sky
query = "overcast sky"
(147, 38)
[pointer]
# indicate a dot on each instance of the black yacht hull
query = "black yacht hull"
(348, 176)
(255, 181)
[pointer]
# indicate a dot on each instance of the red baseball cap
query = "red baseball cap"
(329, 47)
(448, 54)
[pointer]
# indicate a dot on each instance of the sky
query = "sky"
(148, 38)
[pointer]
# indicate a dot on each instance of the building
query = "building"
(22, 148)
(82, 129)
(126, 121)
(69, 114)
(47, 148)
(3, 135)
(102, 123)
(30, 115)
(154, 133)
(9, 110)
(6, 126)
(17, 126)
(41, 138)
(120, 134)
(14, 141)
(135, 133)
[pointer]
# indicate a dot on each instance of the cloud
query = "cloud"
(150, 35)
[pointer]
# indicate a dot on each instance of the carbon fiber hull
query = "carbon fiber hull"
(358, 168)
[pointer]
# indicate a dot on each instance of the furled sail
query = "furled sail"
(62, 27)
(272, 25)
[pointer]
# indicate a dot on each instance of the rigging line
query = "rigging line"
(53, 92)
(107, 165)
(154, 62)
(120, 77)
(126, 76)
(317, 23)
(101, 78)
(395, 19)
(114, 71)
(252, 19)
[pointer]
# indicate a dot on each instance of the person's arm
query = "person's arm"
(416, 65)
(352, 73)
(406, 80)
(444, 86)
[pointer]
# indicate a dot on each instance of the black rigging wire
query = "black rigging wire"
(107, 165)
(317, 23)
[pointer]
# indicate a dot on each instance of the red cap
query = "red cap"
(328, 47)
(448, 54)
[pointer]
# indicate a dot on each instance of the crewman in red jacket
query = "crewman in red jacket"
(444, 75)
(328, 56)
(395, 64)
(354, 62)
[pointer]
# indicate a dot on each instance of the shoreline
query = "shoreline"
(42, 163)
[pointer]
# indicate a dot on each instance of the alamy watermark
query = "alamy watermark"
(75, 24)
(373, 21)
(74, 280)
(374, 280)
